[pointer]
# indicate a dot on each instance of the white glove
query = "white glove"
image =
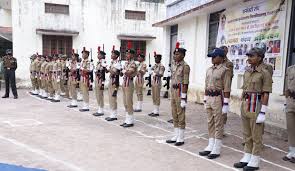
(78, 65)
(183, 102)
(104, 63)
(58, 80)
(91, 67)
(124, 71)
(154, 74)
(261, 115)
(67, 64)
(150, 70)
(225, 106)
(118, 66)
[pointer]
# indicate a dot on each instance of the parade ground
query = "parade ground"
(39, 134)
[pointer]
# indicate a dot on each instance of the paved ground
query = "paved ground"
(39, 134)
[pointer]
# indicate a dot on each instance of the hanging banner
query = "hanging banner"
(248, 25)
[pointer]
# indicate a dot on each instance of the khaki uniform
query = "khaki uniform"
(43, 76)
(33, 75)
(99, 83)
(180, 76)
(139, 81)
(38, 71)
(228, 64)
(56, 77)
(255, 83)
(49, 82)
(64, 81)
(84, 81)
(113, 85)
(158, 72)
(73, 79)
(128, 86)
(290, 104)
(217, 82)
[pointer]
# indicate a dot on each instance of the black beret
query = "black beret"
(86, 51)
(102, 53)
(130, 51)
(141, 55)
(116, 52)
(158, 56)
(180, 50)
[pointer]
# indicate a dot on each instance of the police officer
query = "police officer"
(139, 81)
(114, 83)
(158, 72)
(38, 71)
(290, 112)
(74, 78)
(228, 64)
(129, 72)
(257, 84)
(64, 62)
(84, 84)
(100, 71)
(180, 82)
(10, 65)
(217, 93)
(57, 73)
(33, 75)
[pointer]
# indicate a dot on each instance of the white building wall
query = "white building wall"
(97, 21)
(193, 33)
(5, 19)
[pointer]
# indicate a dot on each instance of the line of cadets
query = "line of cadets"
(53, 76)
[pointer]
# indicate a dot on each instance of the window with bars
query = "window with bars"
(136, 45)
(213, 29)
(134, 15)
(56, 8)
(57, 44)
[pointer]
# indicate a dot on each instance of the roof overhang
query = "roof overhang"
(6, 33)
(5, 4)
(135, 37)
(210, 7)
(57, 32)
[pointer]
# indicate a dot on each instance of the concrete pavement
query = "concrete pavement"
(40, 134)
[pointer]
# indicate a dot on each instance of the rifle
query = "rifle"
(149, 78)
(117, 77)
(91, 72)
(78, 77)
(67, 70)
(167, 84)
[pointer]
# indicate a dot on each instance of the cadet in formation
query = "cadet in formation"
(114, 83)
(129, 72)
(100, 71)
(257, 84)
(64, 62)
(139, 81)
(85, 69)
(290, 112)
(180, 82)
(217, 93)
(33, 75)
(157, 73)
(10, 65)
(56, 77)
(74, 77)
(43, 77)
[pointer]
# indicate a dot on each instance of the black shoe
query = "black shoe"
(170, 121)
(170, 141)
(15, 97)
(165, 95)
(53, 100)
(123, 124)
(98, 114)
(110, 119)
(240, 165)
(5, 96)
(72, 106)
(114, 93)
(149, 93)
(83, 110)
(137, 110)
(153, 114)
(179, 143)
(213, 156)
(249, 168)
(292, 160)
(127, 125)
(285, 158)
(204, 153)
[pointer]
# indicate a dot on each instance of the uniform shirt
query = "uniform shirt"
(43, 67)
(100, 69)
(218, 78)
(228, 64)
(130, 66)
(180, 73)
(32, 68)
(73, 69)
(290, 80)
(47, 68)
(38, 66)
(257, 80)
(9, 62)
(142, 69)
(158, 72)
(85, 67)
(113, 71)
(56, 67)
